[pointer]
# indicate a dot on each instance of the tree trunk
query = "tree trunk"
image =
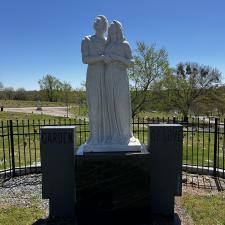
(185, 116)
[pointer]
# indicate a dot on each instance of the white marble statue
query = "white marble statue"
(117, 86)
(107, 88)
(92, 49)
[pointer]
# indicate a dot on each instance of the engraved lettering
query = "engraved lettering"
(57, 138)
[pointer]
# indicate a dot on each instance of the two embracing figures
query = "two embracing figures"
(107, 84)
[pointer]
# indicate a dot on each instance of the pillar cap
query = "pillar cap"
(165, 125)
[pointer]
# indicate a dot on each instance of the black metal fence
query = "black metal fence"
(203, 143)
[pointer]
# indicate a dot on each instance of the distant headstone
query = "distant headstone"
(38, 106)
(165, 146)
(57, 161)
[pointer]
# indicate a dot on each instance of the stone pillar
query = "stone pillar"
(165, 146)
(57, 161)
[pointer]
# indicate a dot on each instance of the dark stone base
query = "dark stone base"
(122, 217)
(113, 188)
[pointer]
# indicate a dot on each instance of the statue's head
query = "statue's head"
(100, 24)
(115, 32)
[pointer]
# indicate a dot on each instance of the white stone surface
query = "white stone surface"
(92, 49)
(107, 88)
(133, 147)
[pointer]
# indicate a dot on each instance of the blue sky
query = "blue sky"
(39, 37)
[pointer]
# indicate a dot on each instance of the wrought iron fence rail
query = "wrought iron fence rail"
(203, 143)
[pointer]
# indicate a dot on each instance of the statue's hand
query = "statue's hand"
(107, 59)
(115, 57)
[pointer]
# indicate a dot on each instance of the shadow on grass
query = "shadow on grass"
(156, 220)
(54, 222)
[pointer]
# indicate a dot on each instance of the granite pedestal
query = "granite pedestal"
(57, 161)
(165, 146)
(113, 188)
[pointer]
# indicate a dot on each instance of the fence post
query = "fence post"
(215, 147)
(174, 119)
(12, 148)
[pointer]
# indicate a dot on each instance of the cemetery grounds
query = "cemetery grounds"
(202, 201)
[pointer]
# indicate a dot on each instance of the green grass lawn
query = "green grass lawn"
(205, 210)
(79, 110)
(82, 111)
(12, 215)
(21, 103)
(155, 114)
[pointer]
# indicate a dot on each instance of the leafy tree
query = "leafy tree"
(80, 99)
(9, 93)
(150, 66)
(66, 90)
(83, 86)
(50, 86)
(1, 85)
(20, 94)
(187, 83)
(157, 99)
(215, 101)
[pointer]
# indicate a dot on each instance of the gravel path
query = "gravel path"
(52, 111)
(25, 191)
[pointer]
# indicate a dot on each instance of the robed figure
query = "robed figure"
(107, 86)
